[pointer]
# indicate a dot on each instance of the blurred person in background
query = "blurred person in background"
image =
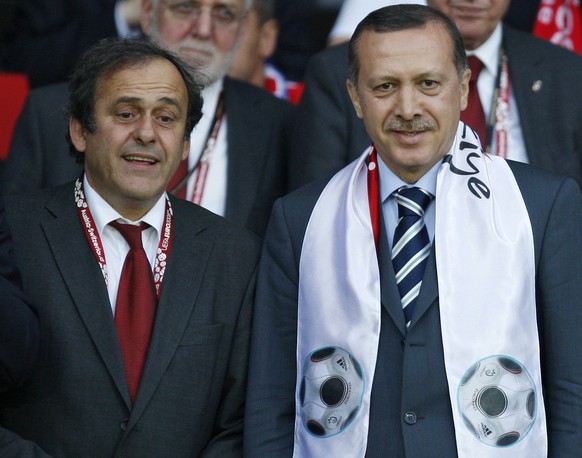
(257, 46)
(46, 37)
(303, 29)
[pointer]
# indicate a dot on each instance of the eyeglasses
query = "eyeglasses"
(222, 15)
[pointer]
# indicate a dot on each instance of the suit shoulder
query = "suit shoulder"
(331, 61)
(298, 205)
(540, 188)
(243, 92)
(337, 54)
(201, 220)
(30, 202)
(51, 93)
(527, 46)
(540, 177)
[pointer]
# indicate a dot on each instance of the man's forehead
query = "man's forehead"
(389, 41)
(238, 3)
(151, 76)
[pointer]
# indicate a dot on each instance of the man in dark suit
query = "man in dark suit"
(245, 170)
(168, 380)
(329, 277)
(18, 323)
(327, 133)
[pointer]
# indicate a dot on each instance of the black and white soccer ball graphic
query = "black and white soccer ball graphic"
(331, 391)
(497, 400)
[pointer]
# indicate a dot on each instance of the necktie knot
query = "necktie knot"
(131, 233)
(412, 201)
(475, 65)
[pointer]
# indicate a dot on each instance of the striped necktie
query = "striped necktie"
(411, 245)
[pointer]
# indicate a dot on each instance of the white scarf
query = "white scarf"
(488, 332)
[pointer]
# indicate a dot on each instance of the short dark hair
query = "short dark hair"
(404, 17)
(111, 55)
(264, 9)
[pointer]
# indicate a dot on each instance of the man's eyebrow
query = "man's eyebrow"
(138, 100)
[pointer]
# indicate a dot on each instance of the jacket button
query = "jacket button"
(410, 418)
(123, 424)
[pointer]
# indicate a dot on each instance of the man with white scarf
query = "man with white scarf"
(481, 360)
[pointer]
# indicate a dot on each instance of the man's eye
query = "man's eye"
(428, 84)
(385, 86)
(125, 115)
(224, 14)
(182, 7)
(166, 119)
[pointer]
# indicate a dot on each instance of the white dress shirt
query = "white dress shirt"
(114, 245)
(214, 197)
(390, 183)
(488, 53)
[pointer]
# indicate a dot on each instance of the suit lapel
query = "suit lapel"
(84, 281)
(182, 282)
(525, 69)
(428, 290)
(388, 286)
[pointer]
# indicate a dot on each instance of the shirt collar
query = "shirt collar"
(103, 213)
(488, 52)
(390, 182)
(210, 95)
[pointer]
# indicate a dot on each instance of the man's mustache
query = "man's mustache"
(409, 125)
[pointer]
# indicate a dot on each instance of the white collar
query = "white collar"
(210, 95)
(390, 182)
(488, 52)
(103, 213)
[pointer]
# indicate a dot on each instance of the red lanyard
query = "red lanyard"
(374, 193)
(203, 163)
(88, 223)
(498, 122)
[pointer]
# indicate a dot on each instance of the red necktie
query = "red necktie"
(474, 115)
(136, 304)
(178, 176)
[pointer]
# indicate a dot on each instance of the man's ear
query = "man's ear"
(186, 148)
(465, 88)
(355, 98)
(146, 17)
(268, 40)
(78, 134)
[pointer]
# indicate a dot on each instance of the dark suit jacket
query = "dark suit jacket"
(328, 135)
(191, 397)
(46, 38)
(410, 375)
(18, 323)
(39, 154)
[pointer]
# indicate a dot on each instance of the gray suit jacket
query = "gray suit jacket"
(39, 154)
(191, 397)
(410, 408)
(328, 135)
